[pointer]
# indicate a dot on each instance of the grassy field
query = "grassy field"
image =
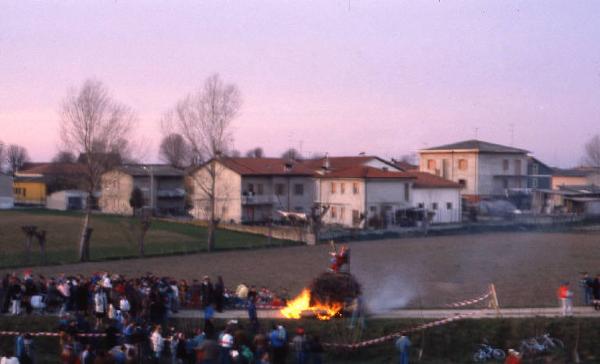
(526, 267)
(112, 237)
(454, 343)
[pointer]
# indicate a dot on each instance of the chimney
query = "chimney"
(326, 162)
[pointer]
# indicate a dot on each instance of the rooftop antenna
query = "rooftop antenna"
(476, 132)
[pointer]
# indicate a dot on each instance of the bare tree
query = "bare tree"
(292, 154)
(175, 151)
(95, 126)
(257, 152)
(2, 151)
(16, 156)
(591, 157)
(64, 156)
(204, 119)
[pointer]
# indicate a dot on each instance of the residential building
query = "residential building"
(578, 176)
(7, 197)
(439, 196)
(56, 176)
(29, 190)
(161, 185)
(72, 200)
(358, 191)
(251, 190)
(582, 199)
(539, 174)
(482, 169)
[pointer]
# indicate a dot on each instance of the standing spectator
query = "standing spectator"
(87, 356)
(9, 358)
(514, 357)
(206, 292)
(15, 293)
(157, 343)
(219, 292)
(261, 349)
(100, 305)
(24, 348)
(252, 316)
(403, 346)
(565, 297)
(225, 346)
(300, 347)
(586, 283)
(596, 292)
(278, 340)
(316, 350)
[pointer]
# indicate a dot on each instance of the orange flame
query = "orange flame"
(301, 304)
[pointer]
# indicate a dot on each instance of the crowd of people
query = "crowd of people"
(108, 318)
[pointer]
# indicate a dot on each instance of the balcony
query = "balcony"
(257, 200)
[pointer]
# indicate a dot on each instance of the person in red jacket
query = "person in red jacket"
(514, 357)
(565, 297)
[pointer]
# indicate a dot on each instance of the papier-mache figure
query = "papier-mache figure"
(339, 259)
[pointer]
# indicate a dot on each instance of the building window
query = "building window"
(224, 210)
(449, 205)
(434, 206)
(505, 165)
(333, 212)
(518, 167)
(342, 212)
(421, 205)
(342, 188)
(430, 164)
(299, 189)
(259, 189)
(279, 189)
(355, 188)
(406, 192)
(463, 164)
(251, 188)
(535, 168)
(373, 209)
(462, 183)
(505, 183)
(534, 183)
(332, 187)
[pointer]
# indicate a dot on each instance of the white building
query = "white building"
(481, 168)
(67, 200)
(438, 196)
(7, 197)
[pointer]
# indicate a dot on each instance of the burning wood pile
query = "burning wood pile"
(325, 298)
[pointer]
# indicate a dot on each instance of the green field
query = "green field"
(453, 343)
(114, 237)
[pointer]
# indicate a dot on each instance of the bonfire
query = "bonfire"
(325, 298)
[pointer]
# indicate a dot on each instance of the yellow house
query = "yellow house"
(29, 190)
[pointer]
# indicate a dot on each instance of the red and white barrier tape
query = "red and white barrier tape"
(17, 333)
(469, 302)
(382, 339)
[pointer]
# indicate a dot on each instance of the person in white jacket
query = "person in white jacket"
(157, 342)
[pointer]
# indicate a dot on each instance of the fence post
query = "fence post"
(494, 300)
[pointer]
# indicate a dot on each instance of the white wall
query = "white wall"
(228, 194)
(453, 172)
(492, 165)
(442, 196)
(344, 203)
(387, 195)
(59, 200)
(7, 198)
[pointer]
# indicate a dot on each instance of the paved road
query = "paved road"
(420, 314)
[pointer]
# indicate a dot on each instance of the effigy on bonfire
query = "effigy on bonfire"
(329, 294)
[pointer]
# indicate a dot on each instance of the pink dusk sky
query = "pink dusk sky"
(381, 77)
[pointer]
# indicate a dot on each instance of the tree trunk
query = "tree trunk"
(28, 247)
(211, 236)
(84, 250)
